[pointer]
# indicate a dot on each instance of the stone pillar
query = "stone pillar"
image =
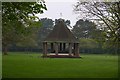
(44, 49)
(56, 48)
(77, 49)
(70, 48)
(74, 48)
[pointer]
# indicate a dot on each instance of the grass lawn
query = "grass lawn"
(0, 64)
(33, 66)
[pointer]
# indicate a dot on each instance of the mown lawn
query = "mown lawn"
(0, 64)
(19, 65)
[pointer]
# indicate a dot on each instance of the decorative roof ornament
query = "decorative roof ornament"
(61, 15)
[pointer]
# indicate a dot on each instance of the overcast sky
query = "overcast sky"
(55, 7)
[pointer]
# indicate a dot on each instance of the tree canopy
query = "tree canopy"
(17, 18)
(84, 29)
(106, 14)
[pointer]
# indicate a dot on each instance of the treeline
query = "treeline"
(92, 38)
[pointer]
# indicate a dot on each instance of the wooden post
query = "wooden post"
(45, 49)
(56, 48)
(70, 48)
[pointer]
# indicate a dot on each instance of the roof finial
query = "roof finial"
(61, 15)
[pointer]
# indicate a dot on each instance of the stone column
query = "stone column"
(44, 49)
(56, 48)
(70, 48)
(77, 49)
(74, 49)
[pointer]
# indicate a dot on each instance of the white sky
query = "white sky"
(55, 7)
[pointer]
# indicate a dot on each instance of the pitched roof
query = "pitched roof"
(61, 33)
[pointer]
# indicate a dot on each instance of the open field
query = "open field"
(0, 64)
(33, 66)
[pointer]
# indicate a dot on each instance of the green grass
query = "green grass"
(0, 64)
(33, 66)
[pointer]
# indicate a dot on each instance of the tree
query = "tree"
(88, 45)
(84, 29)
(107, 12)
(17, 18)
(45, 29)
(29, 41)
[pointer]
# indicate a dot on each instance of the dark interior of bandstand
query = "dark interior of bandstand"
(60, 50)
